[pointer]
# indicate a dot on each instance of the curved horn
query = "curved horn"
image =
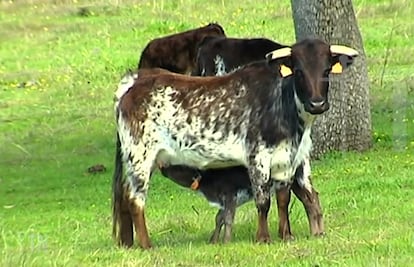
(279, 53)
(344, 50)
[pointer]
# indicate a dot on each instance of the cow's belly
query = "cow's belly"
(202, 155)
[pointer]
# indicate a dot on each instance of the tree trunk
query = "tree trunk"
(347, 124)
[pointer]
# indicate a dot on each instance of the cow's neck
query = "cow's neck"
(304, 116)
(303, 139)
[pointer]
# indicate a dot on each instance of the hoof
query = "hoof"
(288, 238)
(214, 238)
(125, 242)
(264, 239)
(124, 245)
(321, 234)
(146, 246)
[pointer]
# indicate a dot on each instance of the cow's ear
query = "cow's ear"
(282, 58)
(342, 57)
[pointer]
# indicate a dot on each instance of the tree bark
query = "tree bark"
(347, 124)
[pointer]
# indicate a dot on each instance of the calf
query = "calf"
(230, 187)
(177, 52)
(258, 116)
(217, 56)
(226, 188)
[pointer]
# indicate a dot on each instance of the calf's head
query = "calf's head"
(210, 30)
(214, 29)
(311, 61)
(182, 175)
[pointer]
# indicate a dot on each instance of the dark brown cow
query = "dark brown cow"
(217, 56)
(177, 52)
(258, 116)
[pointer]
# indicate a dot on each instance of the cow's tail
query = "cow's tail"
(117, 188)
(124, 85)
(118, 192)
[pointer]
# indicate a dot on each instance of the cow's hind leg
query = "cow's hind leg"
(122, 228)
(219, 224)
(283, 200)
(138, 217)
(138, 175)
(310, 199)
(125, 225)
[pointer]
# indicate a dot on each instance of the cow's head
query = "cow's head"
(214, 29)
(311, 61)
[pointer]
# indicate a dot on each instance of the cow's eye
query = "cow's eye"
(298, 73)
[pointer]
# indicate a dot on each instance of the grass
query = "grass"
(60, 63)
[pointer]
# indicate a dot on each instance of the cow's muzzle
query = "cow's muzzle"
(317, 107)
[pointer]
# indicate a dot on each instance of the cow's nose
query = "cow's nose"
(317, 104)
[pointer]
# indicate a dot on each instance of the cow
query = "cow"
(177, 52)
(258, 116)
(217, 56)
(220, 55)
(228, 188)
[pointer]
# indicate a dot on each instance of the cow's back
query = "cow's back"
(177, 52)
(220, 55)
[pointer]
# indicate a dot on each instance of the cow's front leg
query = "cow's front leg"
(259, 173)
(303, 189)
(283, 200)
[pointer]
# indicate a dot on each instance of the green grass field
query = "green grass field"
(60, 62)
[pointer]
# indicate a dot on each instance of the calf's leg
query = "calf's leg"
(229, 213)
(219, 224)
(225, 217)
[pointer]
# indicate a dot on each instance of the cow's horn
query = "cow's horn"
(344, 50)
(279, 53)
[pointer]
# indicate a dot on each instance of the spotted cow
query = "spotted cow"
(220, 55)
(258, 116)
